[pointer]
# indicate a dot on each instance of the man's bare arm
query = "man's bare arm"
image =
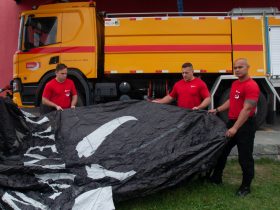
(223, 107)
(47, 102)
(165, 100)
(242, 117)
(74, 101)
(203, 104)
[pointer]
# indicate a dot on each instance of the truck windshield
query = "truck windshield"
(39, 32)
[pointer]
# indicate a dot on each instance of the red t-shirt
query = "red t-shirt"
(60, 93)
(189, 93)
(241, 91)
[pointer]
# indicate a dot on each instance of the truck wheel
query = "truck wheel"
(81, 98)
(224, 97)
(261, 110)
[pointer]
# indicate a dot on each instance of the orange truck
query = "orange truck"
(123, 56)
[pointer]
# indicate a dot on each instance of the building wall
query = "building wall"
(9, 26)
(9, 21)
(171, 5)
(8, 39)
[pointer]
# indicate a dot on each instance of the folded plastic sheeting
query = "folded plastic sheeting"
(85, 158)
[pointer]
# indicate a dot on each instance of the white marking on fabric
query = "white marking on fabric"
(39, 157)
(48, 130)
(90, 143)
(44, 178)
(96, 171)
(31, 163)
(52, 147)
(44, 137)
(55, 176)
(31, 201)
(7, 198)
(61, 186)
(43, 120)
(26, 201)
(27, 114)
(100, 198)
(53, 196)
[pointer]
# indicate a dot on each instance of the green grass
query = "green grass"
(198, 195)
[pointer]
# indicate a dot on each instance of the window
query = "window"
(40, 32)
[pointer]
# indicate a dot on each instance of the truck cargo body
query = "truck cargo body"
(120, 57)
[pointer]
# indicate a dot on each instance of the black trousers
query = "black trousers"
(244, 139)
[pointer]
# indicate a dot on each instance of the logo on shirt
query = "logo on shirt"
(236, 95)
(193, 86)
(67, 93)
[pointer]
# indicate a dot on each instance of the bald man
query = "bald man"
(241, 104)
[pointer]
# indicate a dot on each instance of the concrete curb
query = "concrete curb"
(267, 145)
(261, 151)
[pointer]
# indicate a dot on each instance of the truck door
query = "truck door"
(78, 49)
(274, 44)
(248, 40)
(39, 51)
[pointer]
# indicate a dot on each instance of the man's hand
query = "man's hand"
(212, 111)
(231, 132)
(73, 107)
(58, 108)
(155, 101)
(195, 108)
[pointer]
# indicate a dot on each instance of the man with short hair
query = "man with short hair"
(60, 93)
(241, 104)
(190, 92)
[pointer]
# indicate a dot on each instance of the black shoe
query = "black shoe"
(243, 191)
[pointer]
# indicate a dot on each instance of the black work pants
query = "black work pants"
(244, 139)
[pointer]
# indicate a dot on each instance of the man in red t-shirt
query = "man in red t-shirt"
(242, 104)
(60, 93)
(190, 92)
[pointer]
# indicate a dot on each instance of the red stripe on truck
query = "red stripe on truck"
(146, 48)
(162, 48)
(178, 48)
(239, 47)
(74, 49)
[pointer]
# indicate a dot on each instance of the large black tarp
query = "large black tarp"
(85, 158)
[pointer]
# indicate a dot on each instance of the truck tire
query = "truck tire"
(224, 97)
(261, 110)
(81, 98)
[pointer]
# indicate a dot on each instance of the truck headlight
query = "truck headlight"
(16, 85)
